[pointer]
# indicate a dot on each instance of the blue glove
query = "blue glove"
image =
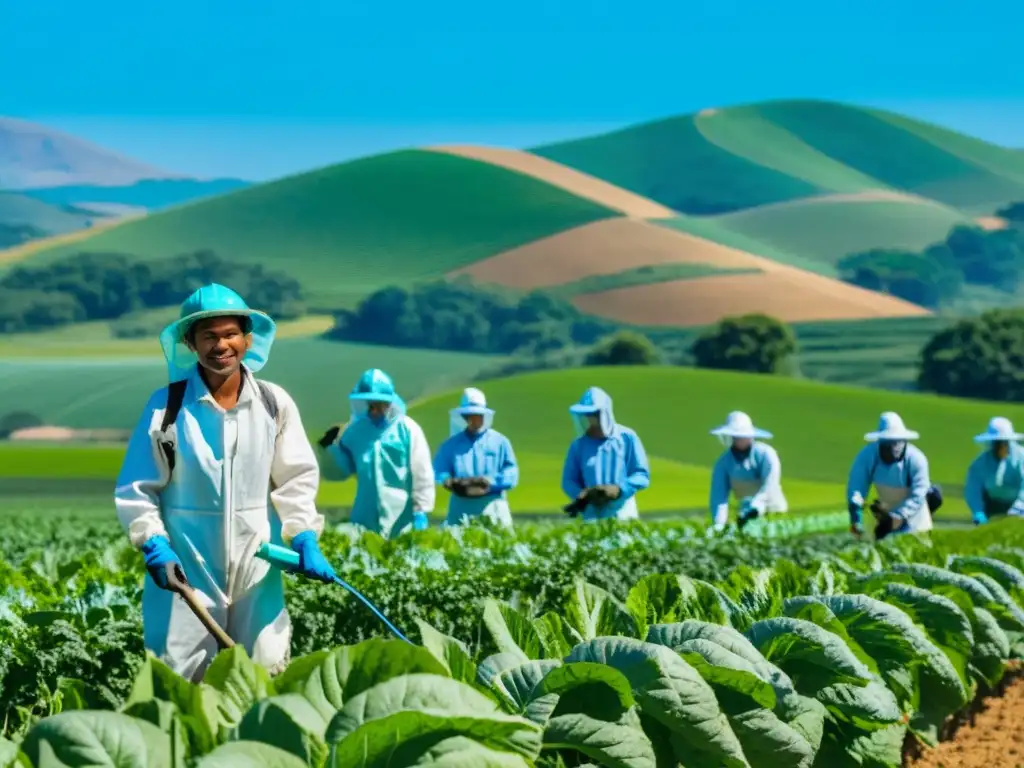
(979, 518)
(312, 563)
(856, 512)
(420, 521)
(162, 563)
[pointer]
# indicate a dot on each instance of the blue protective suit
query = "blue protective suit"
(756, 476)
(996, 486)
(616, 459)
(481, 454)
(903, 486)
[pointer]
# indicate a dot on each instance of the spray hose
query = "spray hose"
(286, 559)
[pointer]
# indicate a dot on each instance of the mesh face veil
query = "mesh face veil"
(457, 421)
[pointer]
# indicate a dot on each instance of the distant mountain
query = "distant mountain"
(150, 194)
(33, 155)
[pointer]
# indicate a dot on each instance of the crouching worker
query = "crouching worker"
(899, 472)
(476, 464)
(605, 466)
(208, 453)
(995, 479)
(749, 469)
(386, 451)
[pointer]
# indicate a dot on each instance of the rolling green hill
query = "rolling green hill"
(110, 391)
(349, 229)
(728, 159)
(18, 209)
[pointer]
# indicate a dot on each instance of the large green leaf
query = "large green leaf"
(670, 598)
(196, 707)
(452, 653)
(991, 648)
(1007, 575)
(289, 722)
(344, 672)
(812, 657)
(812, 610)
(89, 738)
(8, 751)
(517, 685)
(511, 631)
(732, 640)
(671, 692)
(595, 715)
(239, 683)
(494, 665)
(556, 637)
(246, 754)
(594, 612)
(412, 712)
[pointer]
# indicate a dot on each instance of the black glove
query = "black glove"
(576, 506)
(476, 487)
(457, 485)
(883, 520)
(599, 495)
(329, 436)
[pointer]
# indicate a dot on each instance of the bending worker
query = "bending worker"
(476, 464)
(193, 489)
(995, 479)
(899, 472)
(606, 465)
(749, 469)
(387, 453)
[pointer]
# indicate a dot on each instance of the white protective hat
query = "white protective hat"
(473, 402)
(999, 428)
(738, 424)
(891, 427)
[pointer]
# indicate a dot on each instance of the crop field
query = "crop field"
(640, 645)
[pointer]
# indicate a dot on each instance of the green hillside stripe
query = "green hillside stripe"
(743, 131)
(629, 278)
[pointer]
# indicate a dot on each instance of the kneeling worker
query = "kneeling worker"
(995, 479)
(899, 472)
(476, 464)
(193, 489)
(749, 469)
(387, 453)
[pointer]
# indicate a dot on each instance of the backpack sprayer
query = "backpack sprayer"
(286, 559)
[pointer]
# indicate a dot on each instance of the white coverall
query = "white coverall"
(229, 466)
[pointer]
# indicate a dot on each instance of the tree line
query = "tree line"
(112, 286)
(936, 276)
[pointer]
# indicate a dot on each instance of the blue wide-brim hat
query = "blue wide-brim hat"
(215, 301)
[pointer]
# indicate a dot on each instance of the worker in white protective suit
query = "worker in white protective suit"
(212, 452)
(899, 472)
(749, 469)
(387, 452)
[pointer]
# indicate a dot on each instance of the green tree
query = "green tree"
(982, 357)
(929, 279)
(754, 343)
(623, 348)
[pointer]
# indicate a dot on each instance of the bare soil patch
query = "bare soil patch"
(991, 222)
(569, 179)
(995, 738)
(789, 294)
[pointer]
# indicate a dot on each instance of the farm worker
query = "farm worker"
(387, 453)
(193, 490)
(749, 469)
(476, 463)
(899, 472)
(995, 479)
(606, 464)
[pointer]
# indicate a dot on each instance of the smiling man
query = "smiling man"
(212, 452)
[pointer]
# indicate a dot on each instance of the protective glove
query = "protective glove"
(599, 495)
(312, 563)
(979, 518)
(477, 487)
(857, 529)
(420, 522)
(883, 520)
(329, 436)
(577, 505)
(748, 511)
(457, 486)
(163, 565)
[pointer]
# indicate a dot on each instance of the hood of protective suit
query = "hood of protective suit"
(473, 402)
(375, 386)
(594, 400)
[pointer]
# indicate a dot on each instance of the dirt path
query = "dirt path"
(995, 740)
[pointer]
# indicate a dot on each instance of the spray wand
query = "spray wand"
(286, 559)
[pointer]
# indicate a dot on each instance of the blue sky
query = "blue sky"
(259, 88)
